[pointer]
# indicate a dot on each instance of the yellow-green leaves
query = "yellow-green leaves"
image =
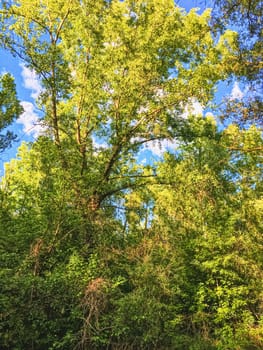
(10, 109)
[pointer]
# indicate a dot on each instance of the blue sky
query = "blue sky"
(28, 88)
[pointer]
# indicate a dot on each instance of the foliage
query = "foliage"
(10, 109)
(99, 251)
(247, 65)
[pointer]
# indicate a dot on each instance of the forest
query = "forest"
(101, 248)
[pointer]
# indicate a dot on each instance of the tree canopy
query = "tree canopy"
(98, 249)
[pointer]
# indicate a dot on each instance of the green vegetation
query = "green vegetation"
(97, 250)
(9, 109)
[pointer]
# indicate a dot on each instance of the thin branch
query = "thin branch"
(156, 138)
(35, 20)
(30, 61)
(131, 177)
(253, 149)
(124, 140)
(121, 188)
(61, 25)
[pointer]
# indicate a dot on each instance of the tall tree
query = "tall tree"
(116, 75)
(77, 273)
(210, 212)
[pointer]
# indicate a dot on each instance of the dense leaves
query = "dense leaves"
(99, 251)
(10, 109)
(247, 65)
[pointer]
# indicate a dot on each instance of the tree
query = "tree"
(205, 213)
(247, 65)
(117, 75)
(10, 109)
(121, 82)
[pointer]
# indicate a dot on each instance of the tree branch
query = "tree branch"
(253, 149)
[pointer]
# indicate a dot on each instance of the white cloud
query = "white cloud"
(30, 120)
(193, 107)
(236, 93)
(99, 144)
(3, 71)
(158, 148)
(143, 161)
(197, 108)
(31, 81)
(209, 115)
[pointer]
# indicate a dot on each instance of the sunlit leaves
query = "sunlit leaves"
(10, 109)
(100, 251)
